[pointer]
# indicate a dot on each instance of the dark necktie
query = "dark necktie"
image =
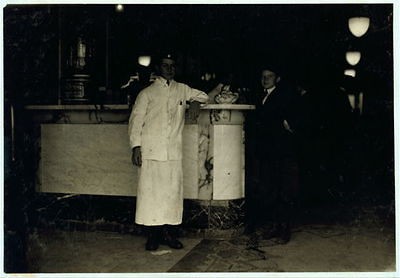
(167, 82)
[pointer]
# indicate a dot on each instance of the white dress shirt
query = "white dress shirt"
(268, 92)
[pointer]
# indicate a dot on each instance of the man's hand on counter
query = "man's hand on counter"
(137, 156)
(194, 111)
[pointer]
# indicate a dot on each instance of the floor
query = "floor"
(313, 248)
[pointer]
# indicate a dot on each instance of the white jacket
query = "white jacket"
(157, 119)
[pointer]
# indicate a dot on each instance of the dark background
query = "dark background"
(347, 158)
(306, 40)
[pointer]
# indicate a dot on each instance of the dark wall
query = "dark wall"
(306, 40)
(31, 53)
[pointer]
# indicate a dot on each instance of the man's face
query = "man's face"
(167, 69)
(268, 79)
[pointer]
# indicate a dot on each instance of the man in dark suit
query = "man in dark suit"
(272, 170)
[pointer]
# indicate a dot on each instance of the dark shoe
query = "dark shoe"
(272, 232)
(253, 241)
(152, 243)
(173, 243)
(282, 240)
(170, 240)
(249, 230)
(285, 235)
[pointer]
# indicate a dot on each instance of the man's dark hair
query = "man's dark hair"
(271, 67)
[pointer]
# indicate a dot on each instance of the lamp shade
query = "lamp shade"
(353, 57)
(358, 25)
(144, 60)
(350, 72)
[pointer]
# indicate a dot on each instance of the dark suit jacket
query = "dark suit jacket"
(267, 136)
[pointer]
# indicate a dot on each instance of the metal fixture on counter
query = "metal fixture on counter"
(77, 80)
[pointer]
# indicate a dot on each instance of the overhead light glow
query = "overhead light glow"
(119, 8)
(350, 72)
(353, 57)
(144, 60)
(359, 25)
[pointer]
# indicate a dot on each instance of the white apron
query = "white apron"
(160, 193)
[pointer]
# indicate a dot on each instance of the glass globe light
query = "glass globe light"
(359, 25)
(353, 57)
(144, 60)
(350, 72)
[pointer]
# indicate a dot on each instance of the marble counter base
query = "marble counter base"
(228, 162)
(89, 158)
(96, 159)
(215, 215)
(77, 158)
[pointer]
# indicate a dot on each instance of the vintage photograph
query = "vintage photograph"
(199, 138)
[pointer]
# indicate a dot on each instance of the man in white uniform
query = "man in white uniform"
(155, 133)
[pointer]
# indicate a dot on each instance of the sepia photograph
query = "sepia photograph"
(199, 139)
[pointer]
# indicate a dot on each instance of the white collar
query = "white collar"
(269, 90)
(163, 81)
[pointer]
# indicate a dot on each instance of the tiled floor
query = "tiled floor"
(78, 252)
(315, 248)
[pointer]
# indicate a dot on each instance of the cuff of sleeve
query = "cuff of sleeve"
(135, 144)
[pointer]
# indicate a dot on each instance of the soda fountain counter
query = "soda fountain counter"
(84, 149)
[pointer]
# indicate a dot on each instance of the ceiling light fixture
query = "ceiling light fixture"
(353, 57)
(359, 25)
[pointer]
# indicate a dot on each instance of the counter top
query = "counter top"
(229, 106)
(78, 107)
(126, 107)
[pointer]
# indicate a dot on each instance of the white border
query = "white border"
(396, 32)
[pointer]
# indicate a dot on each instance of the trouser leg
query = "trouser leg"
(287, 197)
(267, 196)
(171, 230)
(253, 207)
(153, 237)
(252, 194)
